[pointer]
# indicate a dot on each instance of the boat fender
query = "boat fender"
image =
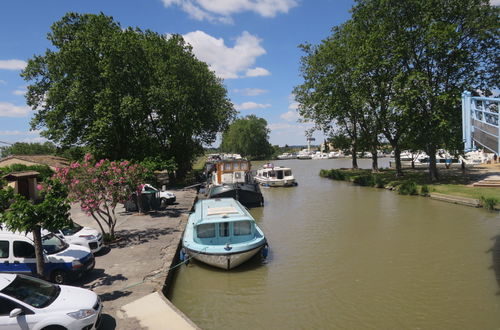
(183, 256)
(265, 251)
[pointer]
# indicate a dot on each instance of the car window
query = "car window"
(6, 306)
(23, 250)
(71, 230)
(32, 291)
(53, 244)
(4, 249)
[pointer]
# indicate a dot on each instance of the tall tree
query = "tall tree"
(125, 93)
(248, 136)
(24, 148)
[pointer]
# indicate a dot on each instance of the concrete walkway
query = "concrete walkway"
(132, 268)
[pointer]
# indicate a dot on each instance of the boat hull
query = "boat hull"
(276, 183)
(248, 194)
(225, 261)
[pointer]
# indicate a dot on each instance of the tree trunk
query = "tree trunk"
(37, 239)
(354, 156)
(397, 161)
(433, 171)
(374, 161)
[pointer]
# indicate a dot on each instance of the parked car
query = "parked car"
(30, 303)
(166, 197)
(63, 261)
(78, 235)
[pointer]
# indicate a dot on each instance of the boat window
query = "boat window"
(265, 174)
(272, 174)
(288, 173)
(242, 228)
(244, 166)
(206, 230)
(224, 229)
(279, 174)
(236, 166)
(227, 166)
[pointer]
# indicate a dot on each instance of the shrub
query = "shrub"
(489, 203)
(424, 190)
(408, 188)
(379, 182)
(336, 175)
(363, 180)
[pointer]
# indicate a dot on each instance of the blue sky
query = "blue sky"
(252, 44)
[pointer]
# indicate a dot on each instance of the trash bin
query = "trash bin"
(149, 201)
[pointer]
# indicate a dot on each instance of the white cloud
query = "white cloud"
(495, 2)
(19, 92)
(221, 10)
(251, 91)
(11, 110)
(12, 64)
(290, 115)
(227, 62)
(251, 105)
(10, 133)
(257, 72)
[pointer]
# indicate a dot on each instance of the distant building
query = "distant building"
(24, 183)
(51, 161)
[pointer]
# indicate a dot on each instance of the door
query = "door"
(5, 262)
(26, 320)
(23, 259)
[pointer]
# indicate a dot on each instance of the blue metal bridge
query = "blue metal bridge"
(480, 123)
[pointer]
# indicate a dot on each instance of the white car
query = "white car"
(166, 197)
(30, 303)
(83, 236)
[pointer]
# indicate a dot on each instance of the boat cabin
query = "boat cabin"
(231, 171)
(226, 223)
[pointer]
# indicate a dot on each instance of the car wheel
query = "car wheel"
(55, 327)
(163, 202)
(59, 277)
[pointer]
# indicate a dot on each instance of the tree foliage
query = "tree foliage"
(248, 136)
(397, 69)
(124, 93)
(52, 213)
(24, 148)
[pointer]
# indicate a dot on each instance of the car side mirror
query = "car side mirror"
(15, 312)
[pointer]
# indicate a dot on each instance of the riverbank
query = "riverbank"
(133, 271)
(454, 185)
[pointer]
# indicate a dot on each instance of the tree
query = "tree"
(23, 148)
(23, 215)
(125, 93)
(100, 186)
(248, 136)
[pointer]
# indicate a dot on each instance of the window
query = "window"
(242, 228)
(32, 291)
(224, 229)
(23, 250)
(53, 244)
(236, 166)
(71, 230)
(206, 230)
(4, 249)
(244, 166)
(6, 306)
(288, 173)
(227, 166)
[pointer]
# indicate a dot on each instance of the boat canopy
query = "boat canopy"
(217, 210)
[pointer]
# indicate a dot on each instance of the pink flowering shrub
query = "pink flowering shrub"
(100, 186)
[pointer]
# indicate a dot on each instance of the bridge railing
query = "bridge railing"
(480, 122)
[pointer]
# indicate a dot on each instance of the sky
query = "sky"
(251, 44)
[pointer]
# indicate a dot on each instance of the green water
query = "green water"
(349, 257)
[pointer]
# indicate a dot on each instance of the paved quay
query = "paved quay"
(129, 275)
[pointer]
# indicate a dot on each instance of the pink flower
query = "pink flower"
(39, 187)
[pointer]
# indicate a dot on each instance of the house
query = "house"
(51, 161)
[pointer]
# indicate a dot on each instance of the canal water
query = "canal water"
(350, 257)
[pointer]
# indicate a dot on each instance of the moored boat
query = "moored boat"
(275, 176)
(222, 233)
(232, 178)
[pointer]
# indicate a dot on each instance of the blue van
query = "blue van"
(63, 262)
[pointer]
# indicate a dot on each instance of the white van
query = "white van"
(63, 262)
(78, 235)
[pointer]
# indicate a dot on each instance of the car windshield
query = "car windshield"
(53, 244)
(71, 230)
(32, 291)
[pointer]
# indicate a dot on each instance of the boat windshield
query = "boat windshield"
(53, 244)
(241, 228)
(206, 230)
(288, 173)
(32, 291)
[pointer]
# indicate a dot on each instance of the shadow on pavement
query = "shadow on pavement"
(137, 237)
(107, 322)
(98, 277)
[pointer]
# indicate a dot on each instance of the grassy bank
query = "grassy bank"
(416, 182)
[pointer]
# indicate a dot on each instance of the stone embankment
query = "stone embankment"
(131, 274)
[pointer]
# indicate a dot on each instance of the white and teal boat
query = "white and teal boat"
(222, 233)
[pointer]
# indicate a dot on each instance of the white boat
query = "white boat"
(304, 154)
(336, 154)
(319, 155)
(287, 155)
(222, 233)
(275, 176)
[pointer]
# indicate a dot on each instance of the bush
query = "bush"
(379, 182)
(489, 203)
(363, 180)
(424, 190)
(408, 188)
(332, 174)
